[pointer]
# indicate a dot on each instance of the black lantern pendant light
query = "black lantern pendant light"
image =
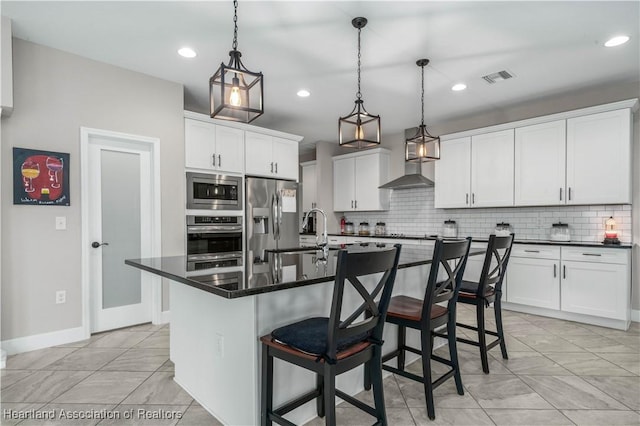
(423, 146)
(234, 91)
(359, 129)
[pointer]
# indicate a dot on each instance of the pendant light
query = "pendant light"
(234, 91)
(359, 129)
(423, 146)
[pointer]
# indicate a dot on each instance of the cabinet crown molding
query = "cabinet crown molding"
(631, 104)
(384, 151)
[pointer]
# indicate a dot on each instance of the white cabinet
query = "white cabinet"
(309, 183)
(596, 282)
(307, 240)
(356, 178)
(540, 164)
(534, 276)
(492, 169)
(475, 171)
(599, 158)
(453, 174)
(212, 147)
(271, 156)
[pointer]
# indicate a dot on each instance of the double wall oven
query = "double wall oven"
(214, 242)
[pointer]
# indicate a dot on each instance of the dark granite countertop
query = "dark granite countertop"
(484, 240)
(281, 271)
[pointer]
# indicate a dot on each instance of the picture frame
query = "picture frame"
(40, 177)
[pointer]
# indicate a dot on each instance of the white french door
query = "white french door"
(118, 183)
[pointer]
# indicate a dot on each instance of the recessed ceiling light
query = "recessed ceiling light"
(617, 41)
(458, 87)
(187, 52)
(303, 93)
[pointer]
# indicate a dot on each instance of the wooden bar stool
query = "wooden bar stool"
(486, 291)
(425, 315)
(331, 346)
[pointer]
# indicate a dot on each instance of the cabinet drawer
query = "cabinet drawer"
(595, 255)
(535, 251)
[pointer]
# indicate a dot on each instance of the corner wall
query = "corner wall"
(56, 93)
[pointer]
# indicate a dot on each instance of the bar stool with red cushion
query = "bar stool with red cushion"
(330, 346)
(488, 290)
(426, 315)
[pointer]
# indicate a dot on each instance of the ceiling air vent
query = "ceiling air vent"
(497, 76)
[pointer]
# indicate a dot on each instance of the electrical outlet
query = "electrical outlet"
(218, 340)
(61, 297)
(61, 223)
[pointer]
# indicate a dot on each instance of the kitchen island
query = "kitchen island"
(216, 324)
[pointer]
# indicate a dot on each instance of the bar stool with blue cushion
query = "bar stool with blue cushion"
(426, 315)
(486, 291)
(330, 346)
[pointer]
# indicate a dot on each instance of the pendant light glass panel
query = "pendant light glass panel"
(422, 146)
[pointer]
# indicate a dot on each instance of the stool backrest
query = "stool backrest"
(350, 266)
(498, 252)
(445, 254)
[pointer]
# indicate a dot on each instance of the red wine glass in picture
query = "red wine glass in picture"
(54, 165)
(30, 170)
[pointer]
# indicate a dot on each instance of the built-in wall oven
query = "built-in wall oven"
(213, 242)
(214, 192)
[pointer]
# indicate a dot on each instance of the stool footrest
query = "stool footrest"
(292, 405)
(279, 419)
(356, 403)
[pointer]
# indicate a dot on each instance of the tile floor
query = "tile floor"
(558, 373)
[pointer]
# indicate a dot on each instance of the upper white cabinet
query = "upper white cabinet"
(475, 171)
(356, 178)
(575, 157)
(540, 164)
(271, 156)
(492, 169)
(453, 174)
(212, 147)
(309, 182)
(599, 158)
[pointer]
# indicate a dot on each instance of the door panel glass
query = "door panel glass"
(120, 181)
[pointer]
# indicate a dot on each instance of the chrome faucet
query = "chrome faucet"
(325, 241)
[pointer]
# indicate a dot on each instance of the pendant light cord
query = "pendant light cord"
(359, 95)
(235, 25)
(422, 95)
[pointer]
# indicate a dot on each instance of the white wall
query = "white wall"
(55, 93)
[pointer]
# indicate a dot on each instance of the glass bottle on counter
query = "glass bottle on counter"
(363, 229)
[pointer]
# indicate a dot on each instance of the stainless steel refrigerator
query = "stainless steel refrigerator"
(272, 221)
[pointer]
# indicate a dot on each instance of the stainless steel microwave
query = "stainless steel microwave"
(214, 192)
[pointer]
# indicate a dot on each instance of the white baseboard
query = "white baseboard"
(635, 315)
(165, 317)
(44, 340)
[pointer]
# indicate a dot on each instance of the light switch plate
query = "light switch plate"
(61, 223)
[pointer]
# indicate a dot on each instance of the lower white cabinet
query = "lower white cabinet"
(534, 282)
(307, 240)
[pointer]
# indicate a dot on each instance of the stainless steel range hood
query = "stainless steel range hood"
(412, 178)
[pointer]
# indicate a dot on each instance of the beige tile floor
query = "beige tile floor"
(558, 373)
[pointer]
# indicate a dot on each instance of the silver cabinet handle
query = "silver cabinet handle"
(560, 194)
(564, 271)
(569, 193)
(213, 162)
(356, 204)
(276, 168)
(473, 198)
(219, 161)
(532, 251)
(466, 200)
(272, 167)
(555, 267)
(591, 254)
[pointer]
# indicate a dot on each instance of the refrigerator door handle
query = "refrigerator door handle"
(279, 198)
(274, 215)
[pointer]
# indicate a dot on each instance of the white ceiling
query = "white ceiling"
(551, 47)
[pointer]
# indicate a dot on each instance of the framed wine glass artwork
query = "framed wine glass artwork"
(40, 177)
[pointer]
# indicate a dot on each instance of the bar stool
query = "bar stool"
(331, 346)
(486, 291)
(426, 315)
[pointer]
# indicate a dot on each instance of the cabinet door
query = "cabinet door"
(599, 158)
(229, 149)
(308, 187)
(285, 158)
(343, 184)
(540, 164)
(367, 180)
(259, 158)
(492, 169)
(199, 139)
(599, 289)
(453, 174)
(534, 282)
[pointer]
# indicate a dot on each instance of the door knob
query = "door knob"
(96, 244)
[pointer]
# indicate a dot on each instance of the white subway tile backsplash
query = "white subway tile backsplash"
(412, 212)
